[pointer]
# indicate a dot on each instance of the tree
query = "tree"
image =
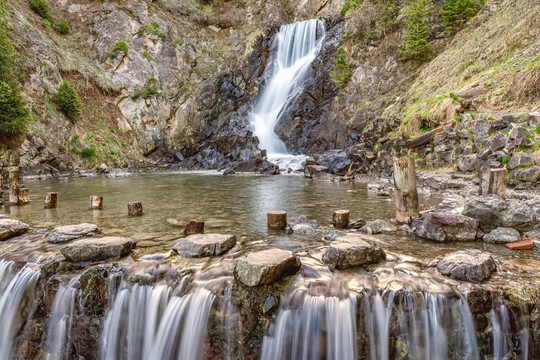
(415, 42)
(67, 99)
(455, 13)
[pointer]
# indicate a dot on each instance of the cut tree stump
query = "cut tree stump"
(341, 218)
(13, 176)
(135, 208)
(51, 200)
(14, 195)
(194, 227)
(96, 202)
(406, 193)
(277, 220)
(493, 181)
(24, 195)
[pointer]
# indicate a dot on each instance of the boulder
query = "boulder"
(378, 226)
(502, 235)
(64, 234)
(519, 136)
(265, 267)
(530, 174)
(311, 171)
(337, 161)
(466, 163)
(468, 265)
(95, 249)
(497, 142)
(10, 227)
(441, 226)
(200, 245)
(352, 251)
(534, 118)
(519, 159)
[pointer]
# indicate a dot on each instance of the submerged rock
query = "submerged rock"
(502, 235)
(68, 233)
(446, 227)
(97, 249)
(378, 226)
(9, 228)
(352, 251)
(266, 267)
(468, 265)
(200, 245)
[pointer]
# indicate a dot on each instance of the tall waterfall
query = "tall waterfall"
(298, 45)
(15, 288)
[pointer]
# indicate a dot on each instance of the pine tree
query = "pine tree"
(415, 42)
(455, 13)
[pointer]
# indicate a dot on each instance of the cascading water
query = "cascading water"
(500, 321)
(298, 45)
(15, 287)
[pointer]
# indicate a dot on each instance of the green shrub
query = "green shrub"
(150, 89)
(414, 44)
(455, 13)
(506, 160)
(119, 47)
(14, 116)
(62, 148)
(67, 99)
(537, 129)
(62, 27)
(148, 56)
(350, 5)
(153, 28)
(41, 8)
(342, 71)
(87, 153)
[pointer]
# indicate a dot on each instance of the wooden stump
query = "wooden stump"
(341, 218)
(13, 176)
(96, 202)
(493, 181)
(135, 208)
(277, 220)
(14, 195)
(194, 227)
(24, 195)
(51, 200)
(406, 194)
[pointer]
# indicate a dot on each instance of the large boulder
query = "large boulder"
(378, 226)
(444, 227)
(10, 227)
(265, 267)
(337, 161)
(64, 234)
(519, 159)
(200, 245)
(95, 249)
(502, 235)
(468, 265)
(353, 251)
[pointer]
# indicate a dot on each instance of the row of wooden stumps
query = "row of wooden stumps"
(277, 220)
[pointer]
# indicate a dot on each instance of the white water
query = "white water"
(298, 45)
(15, 287)
(500, 322)
(147, 322)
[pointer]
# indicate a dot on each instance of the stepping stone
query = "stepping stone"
(352, 251)
(201, 245)
(266, 267)
(94, 249)
(502, 235)
(468, 265)
(67, 233)
(520, 245)
(9, 228)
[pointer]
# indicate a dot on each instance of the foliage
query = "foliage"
(150, 89)
(342, 71)
(67, 99)
(455, 13)
(62, 148)
(62, 27)
(153, 28)
(350, 5)
(119, 47)
(148, 56)
(87, 153)
(414, 45)
(505, 160)
(14, 116)
(41, 8)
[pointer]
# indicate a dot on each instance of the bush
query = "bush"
(87, 153)
(62, 27)
(153, 28)
(455, 13)
(41, 8)
(119, 47)
(415, 45)
(14, 116)
(67, 99)
(342, 71)
(350, 5)
(151, 88)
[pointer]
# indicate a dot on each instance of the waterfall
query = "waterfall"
(500, 322)
(60, 321)
(147, 322)
(298, 45)
(15, 286)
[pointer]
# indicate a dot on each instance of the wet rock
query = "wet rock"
(352, 251)
(64, 234)
(305, 229)
(518, 160)
(257, 165)
(446, 227)
(201, 245)
(94, 289)
(502, 235)
(378, 226)
(10, 227)
(302, 220)
(97, 249)
(265, 267)
(337, 161)
(312, 171)
(468, 265)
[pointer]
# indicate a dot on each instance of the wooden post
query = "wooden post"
(96, 202)
(51, 200)
(13, 176)
(194, 227)
(341, 218)
(14, 195)
(406, 195)
(135, 208)
(493, 181)
(24, 195)
(277, 220)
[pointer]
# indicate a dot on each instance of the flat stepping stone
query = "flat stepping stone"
(502, 235)
(266, 267)
(67, 233)
(94, 249)
(201, 245)
(352, 251)
(468, 265)
(10, 227)
(520, 245)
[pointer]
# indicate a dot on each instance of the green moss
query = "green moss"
(119, 47)
(505, 160)
(148, 56)
(150, 89)
(67, 99)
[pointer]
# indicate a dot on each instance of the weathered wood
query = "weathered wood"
(14, 195)
(51, 200)
(423, 139)
(24, 195)
(406, 194)
(96, 202)
(341, 218)
(13, 176)
(277, 220)
(135, 208)
(194, 227)
(493, 181)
